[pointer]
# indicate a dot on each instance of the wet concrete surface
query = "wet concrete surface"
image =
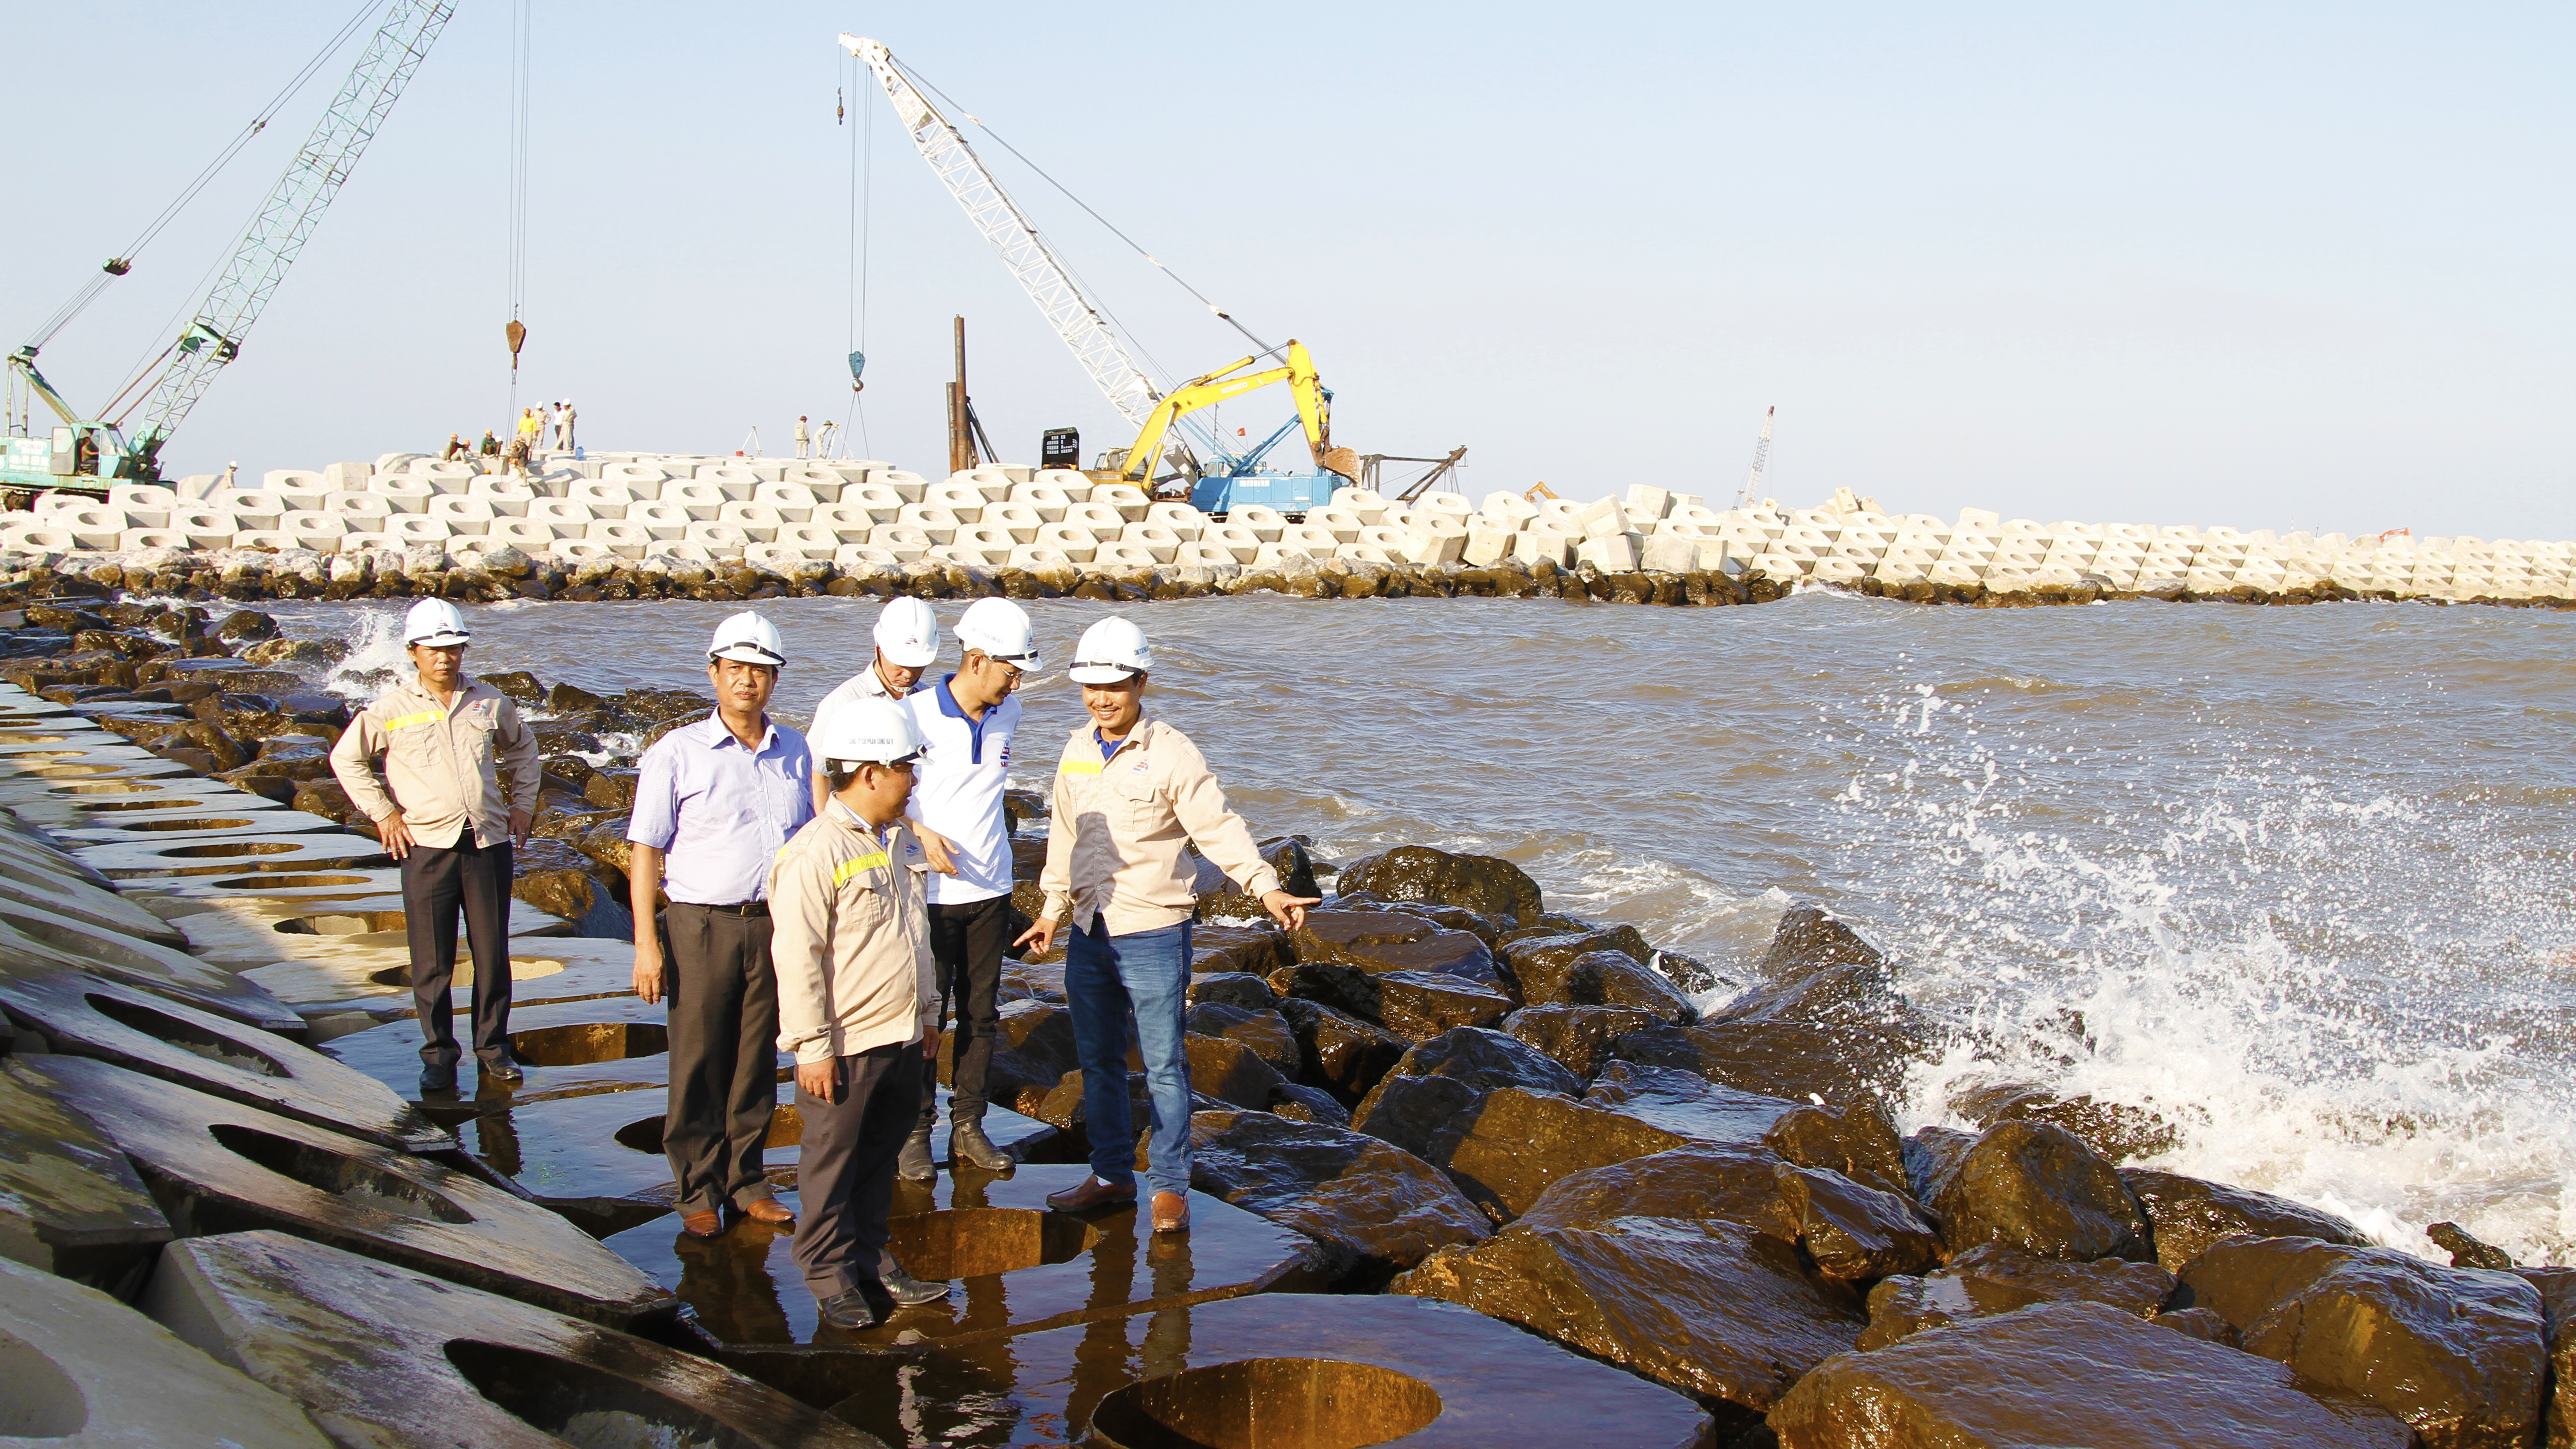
(33, 932)
(216, 1167)
(1013, 1265)
(69, 1201)
(133, 860)
(568, 1049)
(388, 1357)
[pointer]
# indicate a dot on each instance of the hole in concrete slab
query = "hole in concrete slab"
(187, 1035)
(981, 1242)
(65, 772)
(135, 805)
(186, 825)
(352, 923)
(18, 737)
(583, 1043)
(786, 1129)
(587, 1406)
(231, 847)
(290, 882)
(37, 1399)
(1266, 1403)
(360, 1184)
(124, 787)
(522, 968)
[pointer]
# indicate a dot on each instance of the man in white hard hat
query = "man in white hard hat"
(907, 644)
(714, 801)
(1131, 796)
(967, 722)
(459, 789)
(856, 1007)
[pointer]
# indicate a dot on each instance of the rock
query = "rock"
(1419, 873)
(1486, 928)
(1433, 1095)
(2456, 1352)
(2038, 1188)
(2190, 1214)
(1032, 1055)
(1380, 941)
(606, 843)
(239, 626)
(326, 799)
(1521, 1143)
(1339, 1052)
(1991, 1279)
(2065, 1374)
(2465, 1249)
(1246, 950)
(2557, 1289)
(70, 1203)
(1809, 941)
(1300, 1103)
(1264, 1033)
(1828, 1022)
(1218, 896)
(518, 684)
(1377, 1208)
(576, 897)
(2204, 1324)
(1233, 988)
(1577, 1037)
(309, 653)
(1853, 1232)
(1230, 1071)
(1415, 1005)
(86, 1370)
(386, 1357)
(2116, 1130)
(1854, 1139)
(1601, 978)
(610, 789)
(1678, 1266)
(1540, 950)
(1688, 1105)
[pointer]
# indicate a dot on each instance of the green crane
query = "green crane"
(90, 450)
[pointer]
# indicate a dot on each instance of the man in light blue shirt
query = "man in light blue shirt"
(714, 802)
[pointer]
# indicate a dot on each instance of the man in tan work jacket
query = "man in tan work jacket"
(858, 1007)
(1131, 796)
(448, 742)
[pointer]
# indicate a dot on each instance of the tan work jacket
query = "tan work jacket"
(849, 938)
(443, 762)
(1123, 826)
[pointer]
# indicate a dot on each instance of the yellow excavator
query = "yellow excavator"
(1227, 481)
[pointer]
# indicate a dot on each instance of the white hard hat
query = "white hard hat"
(870, 731)
(750, 638)
(436, 623)
(907, 633)
(1001, 629)
(1111, 650)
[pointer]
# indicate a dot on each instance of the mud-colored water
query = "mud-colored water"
(2299, 880)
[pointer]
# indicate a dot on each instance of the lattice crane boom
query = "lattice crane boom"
(285, 221)
(1127, 386)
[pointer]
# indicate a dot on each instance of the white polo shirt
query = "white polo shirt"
(859, 686)
(957, 790)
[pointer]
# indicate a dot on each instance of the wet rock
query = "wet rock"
(387, 1357)
(1415, 1005)
(1809, 940)
(2190, 1214)
(568, 698)
(1486, 928)
(1434, 1094)
(219, 1167)
(1218, 897)
(611, 789)
(2465, 1249)
(244, 625)
(2456, 1352)
(1230, 1071)
(2205, 1324)
(2116, 1130)
(69, 1201)
(1376, 941)
(1300, 1103)
(1828, 1022)
(1680, 1267)
(518, 684)
(86, 1370)
(1600, 978)
(1339, 1052)
(1687, 1105)
(326, 799)
(1032, 1055)
(1545, 947)
(1854, 1139)
(1263, 1032)
(1991, 1279)
(1237, 950)
(2557, 1289)
(1577, 1037)
(1853, 1232)
(1521, 1143)
(1377, 1208)
(2066, 1374)
(1419, 873)
(2038, 1188)
(304, 653)
(605, 842)
(576, 897)
(1237, 989)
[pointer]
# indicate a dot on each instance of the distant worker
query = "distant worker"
(824, 438)
(802, 437)
(966, 722)
(563, 427)
(1131, 795)
(515, 457)
(532, 428)
(907, 642)
(855, 1005)
(459, 789)
(714, 802)
(455, 449)
(491, 447)
(232, 475)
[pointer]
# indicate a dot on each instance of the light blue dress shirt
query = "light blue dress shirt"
(719, 813)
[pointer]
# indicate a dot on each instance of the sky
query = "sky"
(2271, 266)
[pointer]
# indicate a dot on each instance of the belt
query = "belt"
(738, 908)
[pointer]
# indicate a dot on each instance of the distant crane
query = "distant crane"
(1752, 493)
(276, 235)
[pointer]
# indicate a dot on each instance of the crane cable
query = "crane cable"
(522, 17)
(123, 261)
(862, 230)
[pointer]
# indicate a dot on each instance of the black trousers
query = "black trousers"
(966, 946)
(437, 883)
(845, 1169)
(722, 1001)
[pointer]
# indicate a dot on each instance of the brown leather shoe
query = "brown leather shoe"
(1171, 1212)
(767, 1210)
(704, 1224)
(1093, 1193)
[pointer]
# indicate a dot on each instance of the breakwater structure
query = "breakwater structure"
(1470, 1171)
(633, 525)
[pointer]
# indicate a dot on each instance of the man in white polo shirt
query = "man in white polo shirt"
(907, 643)
(966, 722)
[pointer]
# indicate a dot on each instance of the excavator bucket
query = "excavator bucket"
(1345, 461)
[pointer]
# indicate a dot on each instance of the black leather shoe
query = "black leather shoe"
(911, 1292)
(915, 1164)
(502, 1069)
(968, 1144)
(848, 1310)
(437, 1079)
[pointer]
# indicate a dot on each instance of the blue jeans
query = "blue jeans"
(1105, 979)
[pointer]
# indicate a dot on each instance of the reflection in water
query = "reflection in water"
(727, 1279)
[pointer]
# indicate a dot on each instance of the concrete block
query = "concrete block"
(1454, 505)
(1018, 521)
(464, 517)
(1552, 544)
(70, 1203)
(1646, 503)
(135, 539)
(1280, 555)
(1266, 523)
(1602, 519)
(1077, 543)
(1035, 556)
(629, 540)
(349, 477)
(1367, 503)
(856, 557)
(528, 535)
(1073, 481)
(1489, 541)
(508, 496)
(365, 512)
(1128, 499)
(1115, 554)
(197, 485)
(1238, 542)
(95, 527)
(962, 499)
(1611, 553)
(146, 505)
(604, 500)
(781, 559)
(1667, 553)
(1183, 520)
(645, 479)
(1510, 507)
(936, 523)
(401, 493)
(758, 522)
(1201, 554)
(37, 539)
(567, 517)
(820, 480)
(412, 528)
(719, 539)
(1045, 499)
(732, 480)
(880, 502)
(1312, 538)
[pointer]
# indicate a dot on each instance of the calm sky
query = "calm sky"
(2284, 266)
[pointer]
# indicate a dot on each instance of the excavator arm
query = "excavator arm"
(1314, 410)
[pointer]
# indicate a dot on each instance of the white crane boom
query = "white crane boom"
(1127, 386)
(1761, 462)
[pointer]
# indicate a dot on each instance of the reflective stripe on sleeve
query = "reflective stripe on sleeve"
(848, 868)
(406, 721)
